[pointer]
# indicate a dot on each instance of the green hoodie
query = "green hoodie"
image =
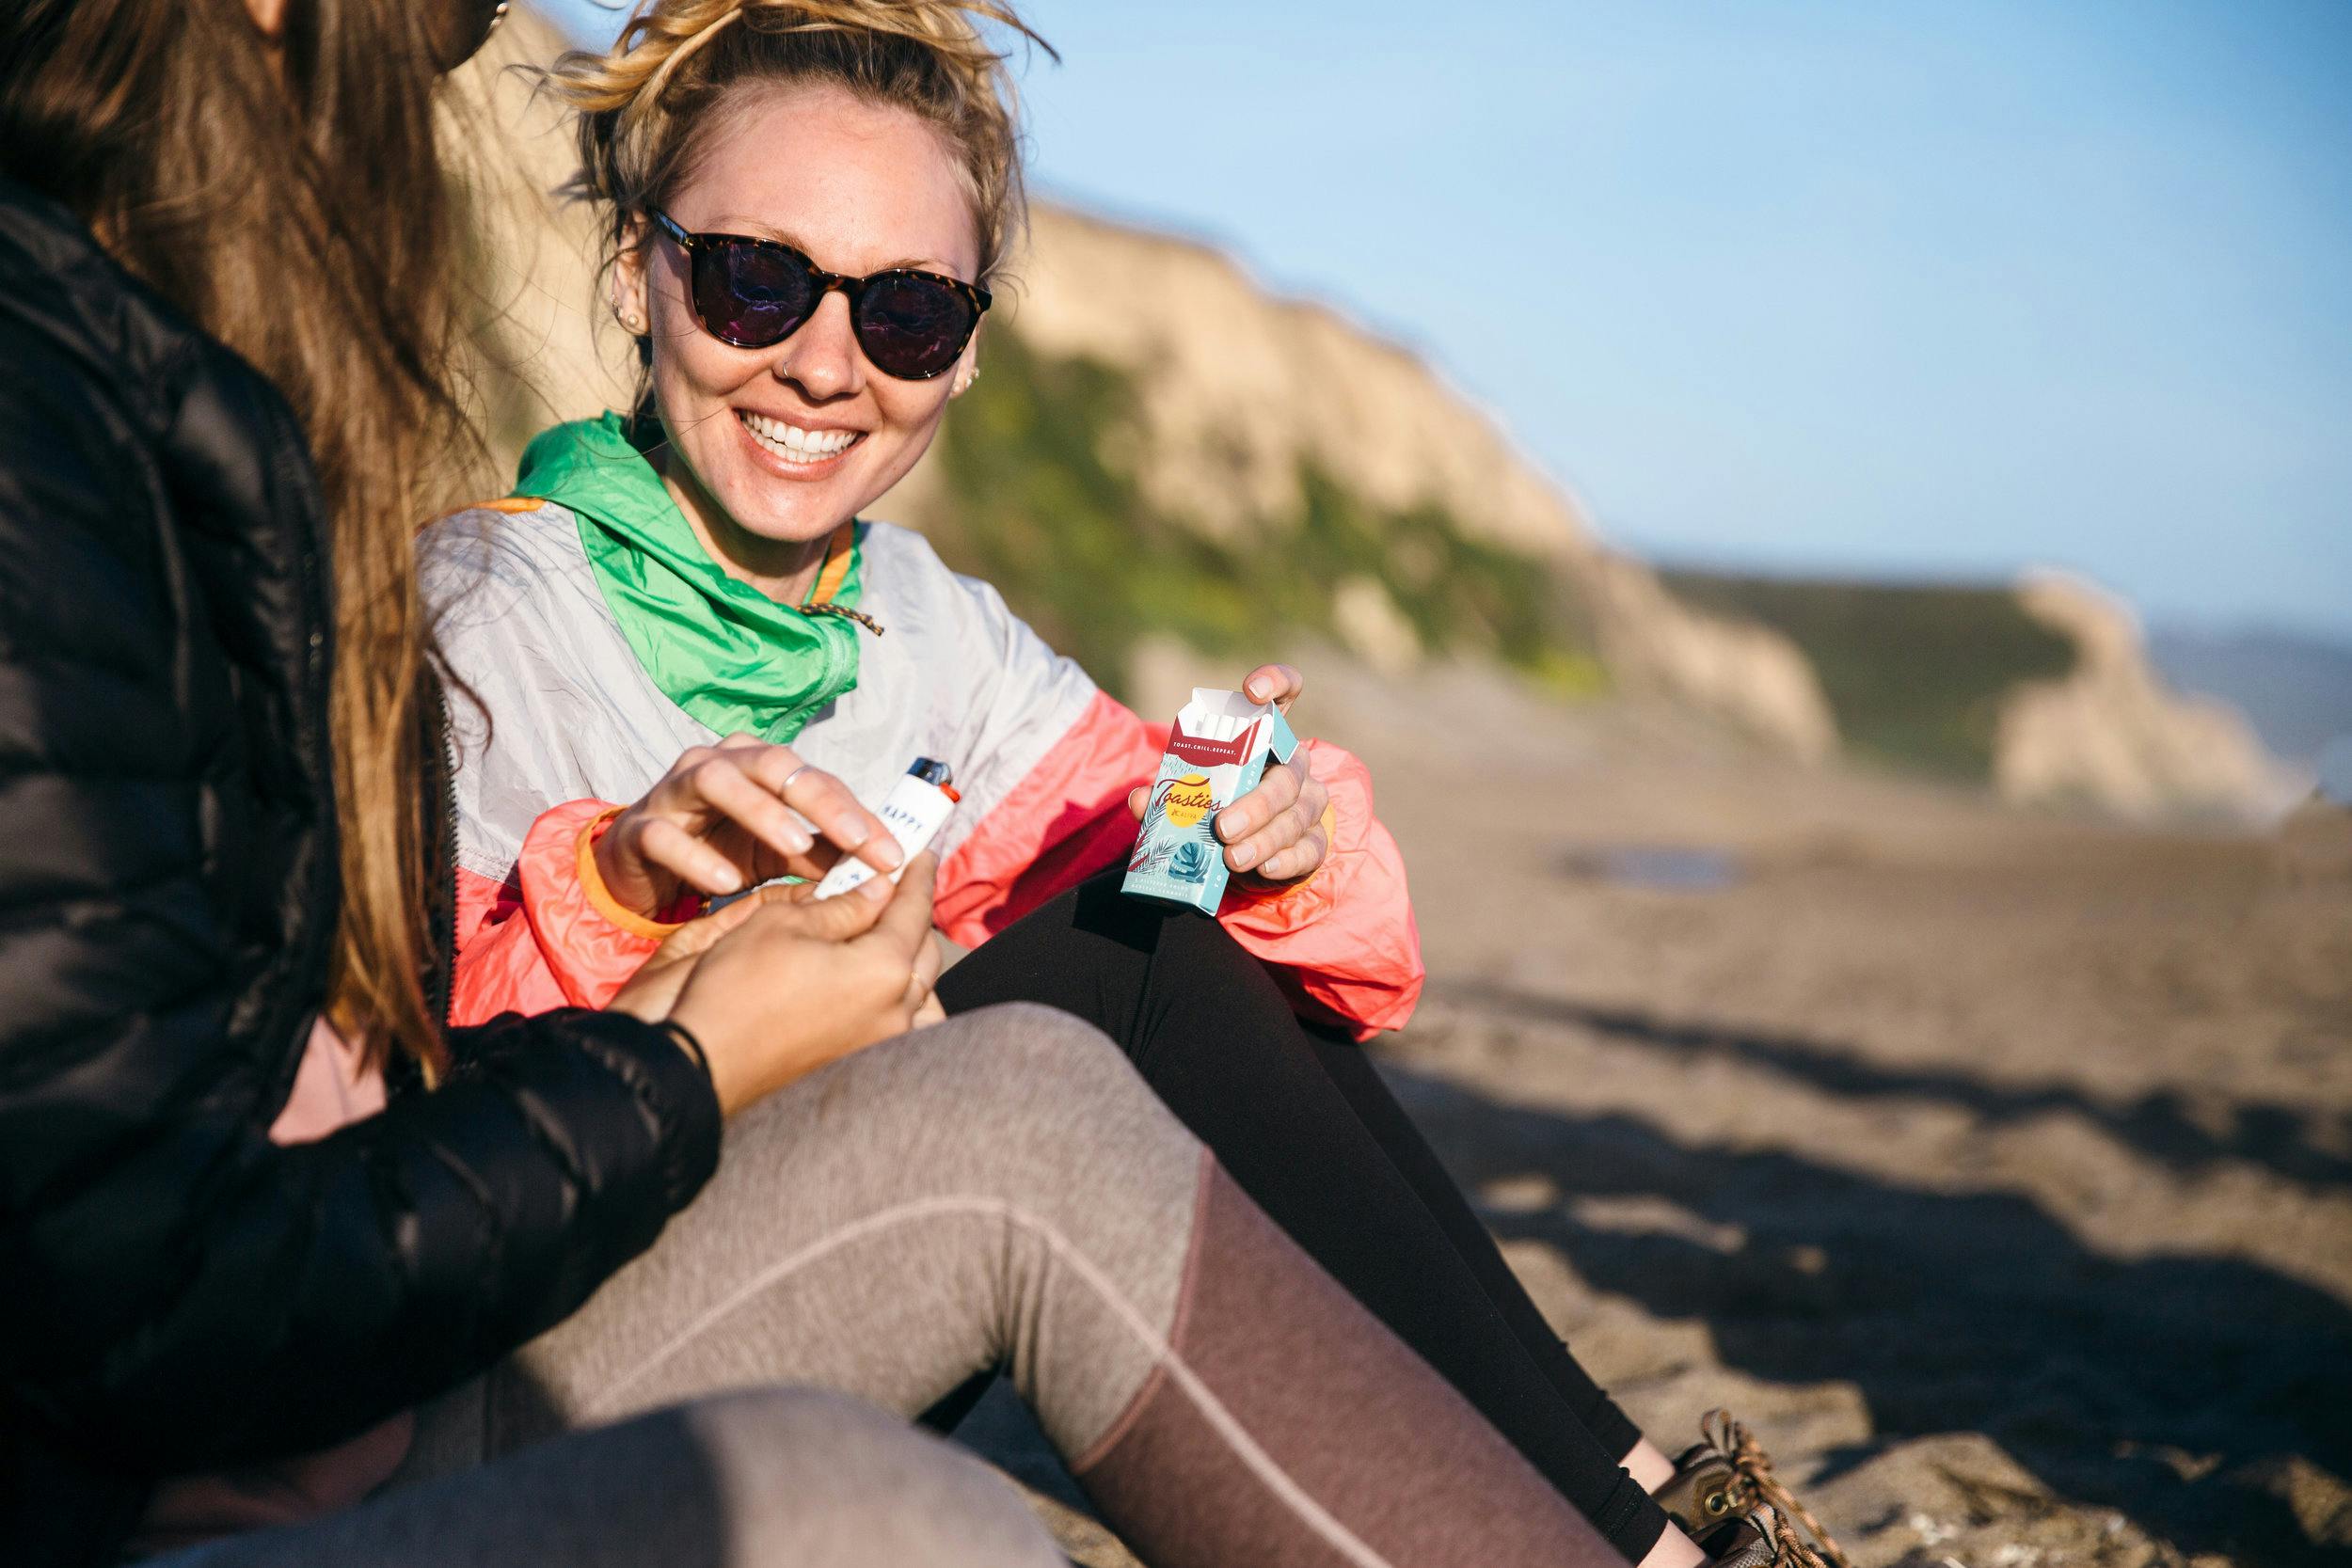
(719, 648)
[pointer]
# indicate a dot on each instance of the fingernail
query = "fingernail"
(1243, 855)
(875, 889)
(888, 853)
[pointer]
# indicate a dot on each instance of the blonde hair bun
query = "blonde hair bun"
(646, 103)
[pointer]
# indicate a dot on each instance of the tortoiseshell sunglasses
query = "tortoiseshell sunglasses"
(754, 294)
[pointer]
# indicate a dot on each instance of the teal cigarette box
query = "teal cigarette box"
(1217, 754)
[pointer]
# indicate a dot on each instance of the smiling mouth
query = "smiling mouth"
(793, 444)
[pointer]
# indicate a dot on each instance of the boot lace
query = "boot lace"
(1754, 1482)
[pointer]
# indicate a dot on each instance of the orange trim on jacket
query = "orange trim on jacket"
(552, 936)
(835, 571)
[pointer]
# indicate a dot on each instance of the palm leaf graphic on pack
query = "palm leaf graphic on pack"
(1190, 864)
(1149, 852)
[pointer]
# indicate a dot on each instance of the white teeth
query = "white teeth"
(794, 444)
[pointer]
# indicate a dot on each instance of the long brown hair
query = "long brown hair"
(291, 203)
(648, 103)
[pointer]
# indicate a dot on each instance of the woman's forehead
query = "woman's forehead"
(860, 186)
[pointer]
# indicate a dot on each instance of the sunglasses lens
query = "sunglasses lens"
(753, 296)
(912, 327)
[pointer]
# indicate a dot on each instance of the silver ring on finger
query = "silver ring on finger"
(783, 788)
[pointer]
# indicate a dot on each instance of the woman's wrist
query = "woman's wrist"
(597, 882)
(601, 866)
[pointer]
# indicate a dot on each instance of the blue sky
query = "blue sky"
(1891, 288)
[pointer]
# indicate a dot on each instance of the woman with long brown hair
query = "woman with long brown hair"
(230, 1239)
(279, 1249)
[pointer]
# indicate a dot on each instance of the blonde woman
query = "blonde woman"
(809, 202)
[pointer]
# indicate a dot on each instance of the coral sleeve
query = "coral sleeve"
(549, 936)
(1343, 943)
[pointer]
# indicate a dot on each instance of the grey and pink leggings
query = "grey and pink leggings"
(1004, 1190)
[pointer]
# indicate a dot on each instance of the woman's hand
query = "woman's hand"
(775, 986)
(717, 822)
(1275, 832)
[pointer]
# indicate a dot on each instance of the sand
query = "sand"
(1996, 1167)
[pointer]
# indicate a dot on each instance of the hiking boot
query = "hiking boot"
(1724, 1480)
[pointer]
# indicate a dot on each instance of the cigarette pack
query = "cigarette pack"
(1216, 752)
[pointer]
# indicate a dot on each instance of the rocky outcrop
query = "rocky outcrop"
(1238, 386)
(2112, 735)
(1240, 391)
(1741, 672)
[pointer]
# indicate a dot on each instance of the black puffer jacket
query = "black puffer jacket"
(177, 1292)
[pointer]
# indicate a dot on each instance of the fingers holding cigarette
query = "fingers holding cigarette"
(843, 824)
(728, 816)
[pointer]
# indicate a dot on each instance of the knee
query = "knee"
(1014, 1049)
(1200, 941)
(1196, 960)
(1028, 1080)
(1184, 940)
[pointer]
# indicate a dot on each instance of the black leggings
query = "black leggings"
(1303, 1125)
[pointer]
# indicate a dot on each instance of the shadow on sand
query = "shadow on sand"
(2300, 1145)
(2114, 1381)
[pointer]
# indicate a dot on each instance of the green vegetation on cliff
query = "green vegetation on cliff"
(1916, 674)
(1041, 506)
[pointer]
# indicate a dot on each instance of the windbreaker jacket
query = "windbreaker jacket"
(568, 721)
(177, 1292)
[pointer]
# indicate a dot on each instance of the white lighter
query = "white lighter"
(916, 809)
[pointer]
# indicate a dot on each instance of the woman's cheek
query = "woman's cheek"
(919, 424)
